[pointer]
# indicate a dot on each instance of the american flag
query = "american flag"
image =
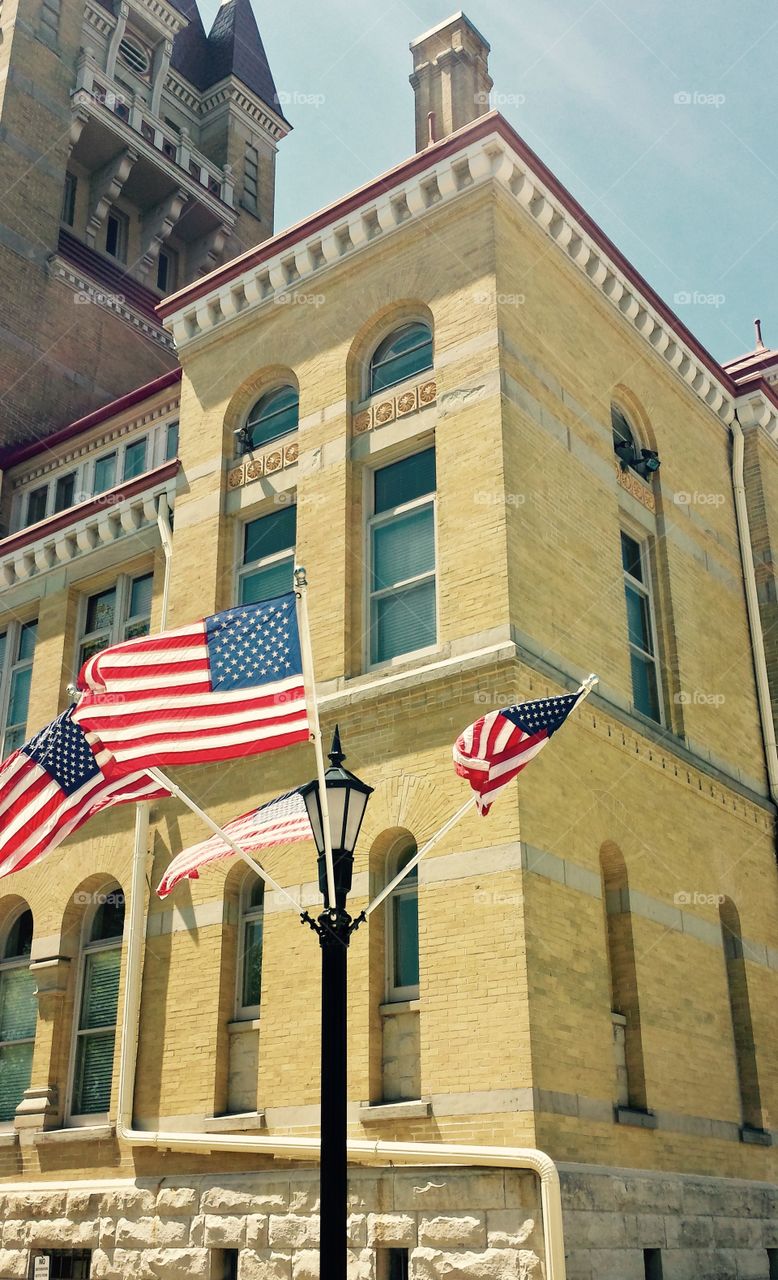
(51, 785)
(281, 821)
(494, 750)
(228, 686)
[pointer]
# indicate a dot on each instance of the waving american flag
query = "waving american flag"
(228, 686)
(53, 784)
(281, 821)
(494, 750)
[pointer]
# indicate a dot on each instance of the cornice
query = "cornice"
(233, 92)
(88, 290)
(489, 152)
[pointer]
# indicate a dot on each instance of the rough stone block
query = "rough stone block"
(225, 1232)
(160, 1232)
(175, 1200)
(397, 1229)
(265, 1264)
(357, 1230)
(61, 1233)
(597, 1230)
(84, 1204)
(688, 1233)
(459, 1230)
(173, 1264)
(440, 1192)
(492, 1264)
(227, 1200)
(256, 1230)
(361, 1264)
(130, 1202)
(14, 1233)
(305, 1265)
(293, 1232)
(13, 1263)
(508, 1228)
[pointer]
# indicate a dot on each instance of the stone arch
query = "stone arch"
(740, 1010)
(266, 379)
(622, 970)
(383, 322)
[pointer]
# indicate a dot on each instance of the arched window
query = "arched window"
(402, 929)
(622, 969)
(252, 918)
(405, 352)
(740, 1009)
(275, 414)
(18, 1012)
(97, 1004)
(628, 449)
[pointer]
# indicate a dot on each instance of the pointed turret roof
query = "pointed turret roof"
(235, 48)
(190, 47)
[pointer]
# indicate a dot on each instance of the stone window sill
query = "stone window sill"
(8, 1138)
(78, 1133)
(241, 1025)
(633, 1116)
(399, 1006)
(377, 1112)
(239, 1122)
(755, 1137)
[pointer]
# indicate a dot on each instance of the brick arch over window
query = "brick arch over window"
(622, 970)
(740, 1009)
(380, 325)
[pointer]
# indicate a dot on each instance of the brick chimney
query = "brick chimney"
(450, 80)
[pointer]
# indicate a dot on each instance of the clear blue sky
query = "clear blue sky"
(688, 190)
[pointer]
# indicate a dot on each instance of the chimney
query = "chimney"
(450, 80)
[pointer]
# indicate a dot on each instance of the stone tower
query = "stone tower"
(450, 80)
(137, 152)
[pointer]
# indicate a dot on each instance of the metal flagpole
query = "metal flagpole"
(219, 831)
(309, 680)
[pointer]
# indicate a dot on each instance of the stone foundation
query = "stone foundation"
(454, 1224)
(704, 1228)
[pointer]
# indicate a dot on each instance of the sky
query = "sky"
(657, 116)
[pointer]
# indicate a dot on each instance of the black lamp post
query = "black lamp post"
(347, 799)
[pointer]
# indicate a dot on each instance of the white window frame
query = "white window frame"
(372, 522)
(75, 1119)
(646, 589)
(246, 914)
(14, 962)
(264, 562)
(12, 632)
(122, 618)
(394, 994)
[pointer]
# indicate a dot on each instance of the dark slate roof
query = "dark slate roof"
(190, 47)
(235, 48)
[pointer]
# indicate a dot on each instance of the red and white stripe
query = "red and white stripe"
(36, 814)
(281, 821)
(492, 752)
(151, 702)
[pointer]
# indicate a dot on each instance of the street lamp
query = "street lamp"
(347, 799)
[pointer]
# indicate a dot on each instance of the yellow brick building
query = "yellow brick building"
(446, 396)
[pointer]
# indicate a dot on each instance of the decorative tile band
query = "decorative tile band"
(377, 415)
(254, 468)
(636, 487)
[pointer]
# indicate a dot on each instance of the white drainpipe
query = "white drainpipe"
(752, 605)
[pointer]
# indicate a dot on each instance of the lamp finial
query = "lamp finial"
(335, 753)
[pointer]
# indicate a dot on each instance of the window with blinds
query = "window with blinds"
(18, 1013)
(403, 603)
(99, 997)
(250, 957)
(268, 556)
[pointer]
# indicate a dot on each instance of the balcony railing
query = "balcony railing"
(95, 89)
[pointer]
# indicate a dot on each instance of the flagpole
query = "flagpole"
(219, 831)
(584, 689)
(309, 680)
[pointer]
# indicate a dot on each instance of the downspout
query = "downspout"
(293, 1148)
(752, 606)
